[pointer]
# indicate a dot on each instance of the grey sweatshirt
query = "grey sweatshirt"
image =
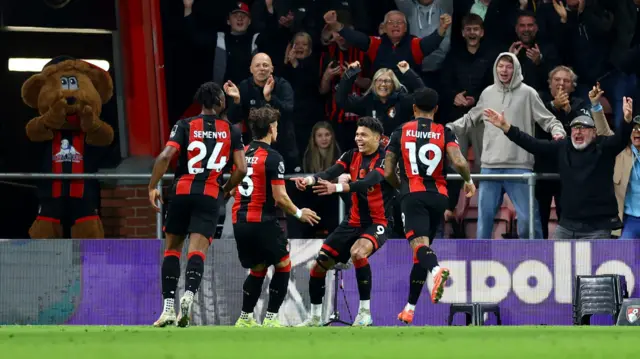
(522, 106)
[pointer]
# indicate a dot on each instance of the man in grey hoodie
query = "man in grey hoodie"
(501, 156)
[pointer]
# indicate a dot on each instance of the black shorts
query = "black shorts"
(67, 210)
(422, 214)
(192, 213)
(338, 244)
(260, 243)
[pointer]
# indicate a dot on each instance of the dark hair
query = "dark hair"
(472, 19)
(371, 123)
(526, 13)
(208, 95)
(506, 58)
(260, 119)
(426, 99)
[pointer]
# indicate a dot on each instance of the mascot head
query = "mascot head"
(76, 82)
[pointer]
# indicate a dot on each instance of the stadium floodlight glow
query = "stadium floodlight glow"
(23, 64)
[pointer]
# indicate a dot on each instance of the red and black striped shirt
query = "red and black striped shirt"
(420, 147)
(333, 53)
(206, 144)
(68, 153)
(371, 196)
(254, 200)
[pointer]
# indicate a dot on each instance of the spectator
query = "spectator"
(537, 58)
(559, 100)
(586, 166)
(301, 72)
(500, 156)
(333, 63)
(499, 17)
(468, 71)
(233, 49)
(261, 89)
(586, 27)
(423, 20)
(396, 44)
(626, 175)
(386, 99)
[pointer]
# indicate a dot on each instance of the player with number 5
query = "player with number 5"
(260, 240)
(418, 146)
(206, 144)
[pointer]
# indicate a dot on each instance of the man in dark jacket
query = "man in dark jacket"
(562, 103)
(259, 90)
(585, 163)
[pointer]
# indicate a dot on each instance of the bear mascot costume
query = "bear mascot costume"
(69, 94)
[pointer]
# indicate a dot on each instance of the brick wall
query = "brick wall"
(126, 212)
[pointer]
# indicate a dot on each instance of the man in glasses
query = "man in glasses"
(586, 167)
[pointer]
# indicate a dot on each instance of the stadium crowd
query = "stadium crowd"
(324, 64)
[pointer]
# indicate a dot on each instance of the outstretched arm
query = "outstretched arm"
(522, 139)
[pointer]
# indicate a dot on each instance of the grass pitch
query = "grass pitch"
(114, 342)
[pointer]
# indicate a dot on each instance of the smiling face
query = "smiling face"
(302, 46)
(366, 140)
(581, 136)
(383, 84)
(472, 34)
(261, 67)
(526, 29)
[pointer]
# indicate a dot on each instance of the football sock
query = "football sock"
(278, 288)
(363, 276)
(316, 286)
(417, 278)
(170, 274)
(195, 267)
(251, 290)
(426, 257)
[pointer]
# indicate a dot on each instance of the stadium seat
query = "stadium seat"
(474, 312)
(598, 294)
(502, 222)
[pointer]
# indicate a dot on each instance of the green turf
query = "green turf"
(69, 342)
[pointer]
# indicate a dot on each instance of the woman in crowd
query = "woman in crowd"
(387, 99)
(301, 70)
(321, 153)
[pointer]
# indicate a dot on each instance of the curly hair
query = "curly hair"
(209, 94)
(260, 119)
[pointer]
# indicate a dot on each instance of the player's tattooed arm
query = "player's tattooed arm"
(390, 174)
(238, 174)
(459, 162)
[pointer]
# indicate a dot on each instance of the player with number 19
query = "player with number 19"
(260, 240)
(364, 231)
(208, 145)
(418, 146)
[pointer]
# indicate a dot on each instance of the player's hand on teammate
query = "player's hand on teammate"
(344, 178)
(497, 119)
(469, 189)
(229, 194)
(324, 188)
(154, 197)
(309, 216)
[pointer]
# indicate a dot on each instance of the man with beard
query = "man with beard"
(537, 59)
(585, 164)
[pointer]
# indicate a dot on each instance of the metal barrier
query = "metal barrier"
(530, 178)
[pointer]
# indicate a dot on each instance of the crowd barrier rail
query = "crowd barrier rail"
(529, 178)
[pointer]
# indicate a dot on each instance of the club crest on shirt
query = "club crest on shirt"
(173, 131)
(281, 167)
(67, 153)
(392, 112)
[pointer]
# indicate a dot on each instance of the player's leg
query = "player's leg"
(277, 253)
(245, 235)
(176, 224)
(202, 226)
(336, 248)
(360, 253)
